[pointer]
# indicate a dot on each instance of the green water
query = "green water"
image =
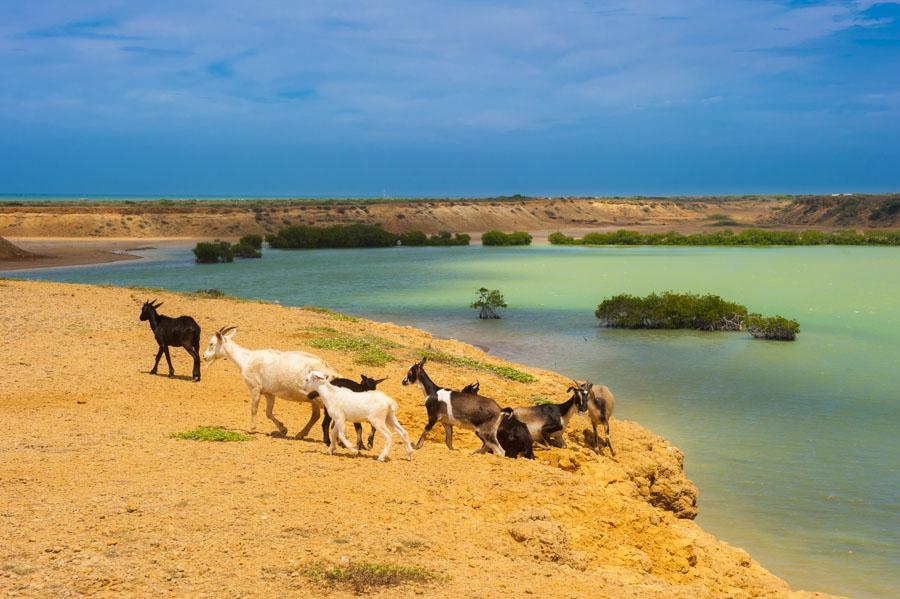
(794, 446)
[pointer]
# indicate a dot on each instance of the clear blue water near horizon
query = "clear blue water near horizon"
(794, 446)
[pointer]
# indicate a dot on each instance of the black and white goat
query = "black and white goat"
(599, 402)
(456, 408)
(547, 422)
(365, 383)
(176, 332)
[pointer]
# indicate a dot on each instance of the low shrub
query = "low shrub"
(774, 327)
(500, 238)
(364, 577)
(338, 236)
(213, 252)
(245, 250)
(747, 237)
(671, 311)
(254, 241)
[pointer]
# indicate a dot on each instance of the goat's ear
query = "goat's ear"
(573, 389)
(229, 332)
(423, 360)
(376, 381)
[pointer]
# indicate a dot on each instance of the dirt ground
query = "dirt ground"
(97, 497)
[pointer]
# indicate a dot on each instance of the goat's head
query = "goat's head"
(370, 383)
(216, 347)
(314, 379)
(149, 308)
(582, 392)
(412, 375)
(472, 388)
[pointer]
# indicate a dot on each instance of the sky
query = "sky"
(458, 98)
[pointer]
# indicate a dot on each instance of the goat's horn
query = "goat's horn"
(158, 305)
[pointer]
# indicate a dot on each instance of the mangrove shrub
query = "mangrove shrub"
(747, 237)
(672, 311)
(501, 238)
(488, 302)
(213, 252)
(774, 327)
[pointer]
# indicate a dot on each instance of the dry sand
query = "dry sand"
(98, 499)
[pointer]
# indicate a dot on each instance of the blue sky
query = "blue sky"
(399, 98)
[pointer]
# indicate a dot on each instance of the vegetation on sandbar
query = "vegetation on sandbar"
(708, 312)
(357, 236)
(747, 237)
(506, 372)
(501, 238)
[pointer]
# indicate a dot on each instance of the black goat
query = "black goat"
(176, 332)
(365, 384)
(513, 436)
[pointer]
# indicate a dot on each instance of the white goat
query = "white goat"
(344, 405)
(270, 373)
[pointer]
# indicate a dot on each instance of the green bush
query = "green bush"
(501, 238)
(414, 238)
(213, 252)
(672, 311)
(245, 250)
(747, 237)
(338, 236)
(254, 241)
(774, 327)
(444, 238)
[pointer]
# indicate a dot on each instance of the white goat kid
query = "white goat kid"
(344, 405)
(269, 373)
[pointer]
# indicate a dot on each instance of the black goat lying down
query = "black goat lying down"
(175, 332)
(365, 384)
(514, 437)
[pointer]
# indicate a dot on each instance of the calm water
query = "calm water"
(794, 446)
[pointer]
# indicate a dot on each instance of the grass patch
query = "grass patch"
(211, 433)
(506, 372)
(331, 313)
(209, 293)
(366, 576)
(370, 351)
(540, 400)
(317, 329)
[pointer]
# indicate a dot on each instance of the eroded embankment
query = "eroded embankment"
(99, 499)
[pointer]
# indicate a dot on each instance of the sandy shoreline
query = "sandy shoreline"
(99, 499)
(54, 252)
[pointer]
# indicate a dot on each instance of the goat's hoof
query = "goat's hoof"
(152, 372)
(171, 375)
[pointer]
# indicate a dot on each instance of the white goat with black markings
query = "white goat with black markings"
(269, 373)
(344, 405)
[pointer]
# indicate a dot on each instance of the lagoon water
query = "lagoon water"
(795, 446)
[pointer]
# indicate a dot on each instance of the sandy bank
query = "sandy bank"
(99, 499)
(51, 252)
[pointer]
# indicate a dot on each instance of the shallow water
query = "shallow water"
(794, 446)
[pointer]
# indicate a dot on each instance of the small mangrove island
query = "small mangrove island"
(708, 312)
(357, 236)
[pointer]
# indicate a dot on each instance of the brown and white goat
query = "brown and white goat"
(599, 402)
(547, 422)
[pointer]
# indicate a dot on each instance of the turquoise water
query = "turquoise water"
(794, 446)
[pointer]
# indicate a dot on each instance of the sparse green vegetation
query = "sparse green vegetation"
(370, 351)
(747, 237)
(209, 293)
(540, 400)
(361, 577)
(503, 371)
(254, 241)
(337, 236)
(245, 250)
(211, 433)
(775, 327)
(331, 313)
(501, 238)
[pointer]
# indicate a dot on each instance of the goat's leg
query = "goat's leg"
(158, 356)
(169, 361)
(270, 403)
(254, 407)
(358, 428)
(337, 430)
(326, 429)
(596, 438)
(551, 432)
(392, 417)
(312, 420)
(448, 436)
(371, 440)
(196, 356)
(432, 420)
(489, 438)
(484, 447)
(608, 438)
(382, 428)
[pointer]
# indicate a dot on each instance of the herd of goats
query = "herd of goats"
(304, 377)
